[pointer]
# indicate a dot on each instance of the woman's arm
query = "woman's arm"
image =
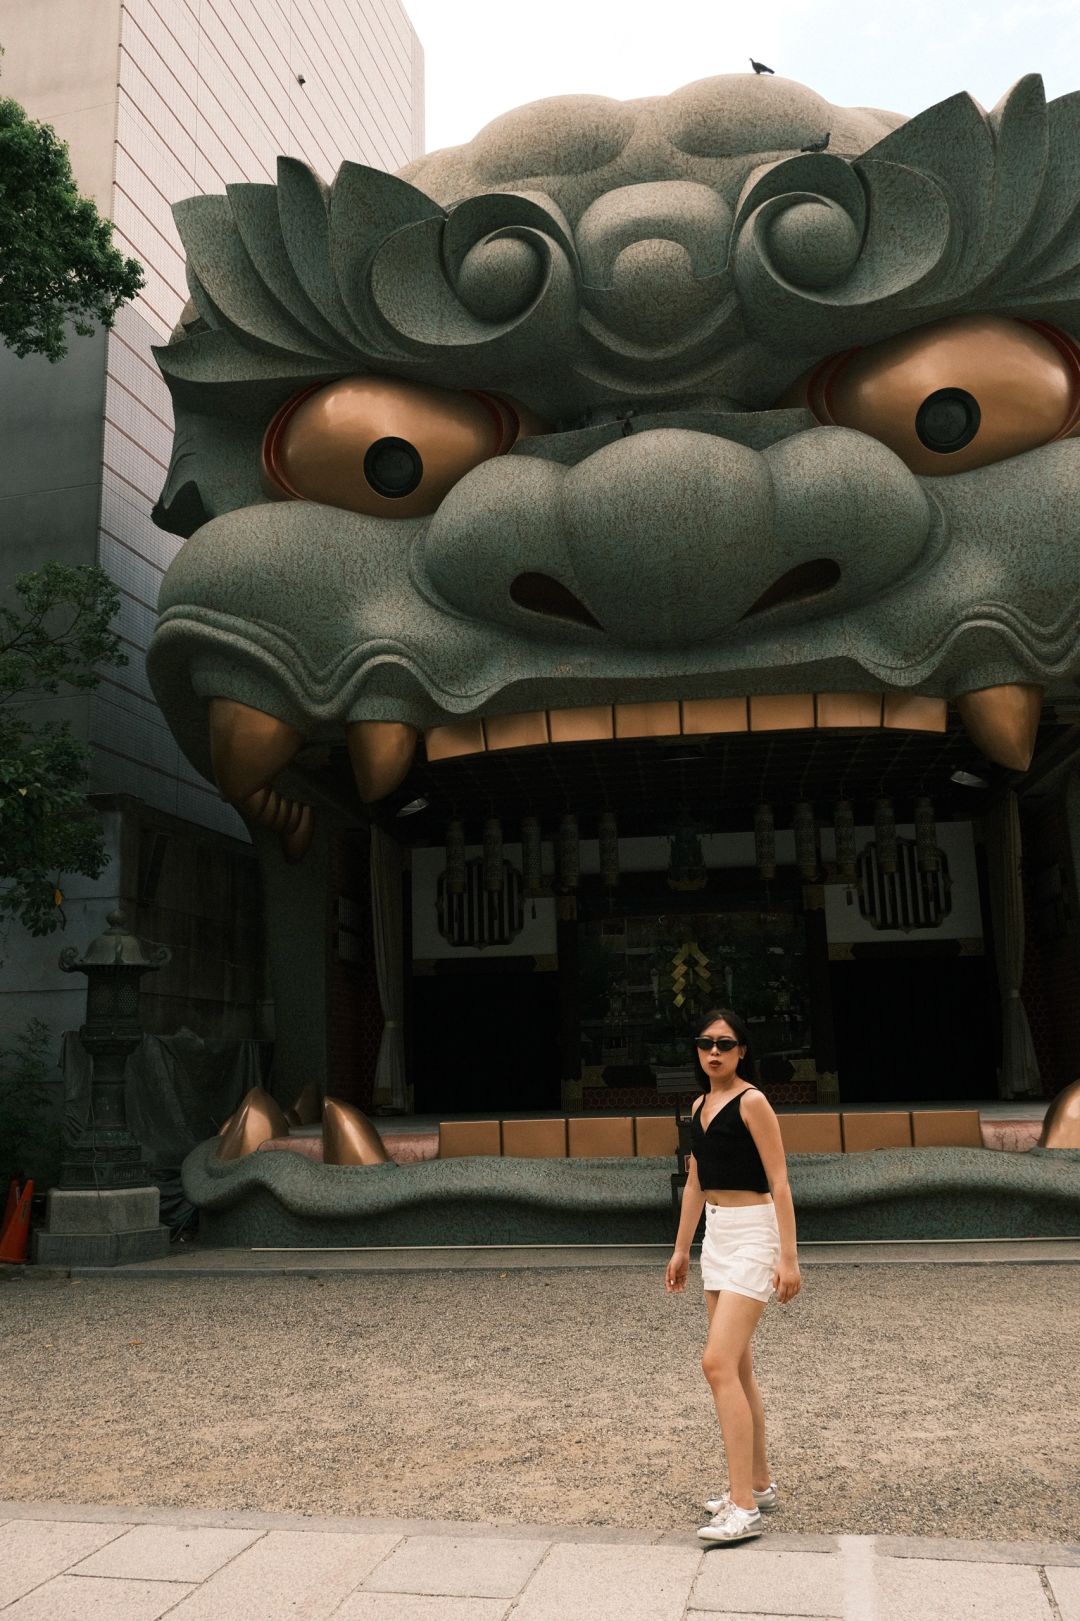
(764, 1128)
(693, 1202)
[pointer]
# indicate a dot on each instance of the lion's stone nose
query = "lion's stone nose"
(672, 537)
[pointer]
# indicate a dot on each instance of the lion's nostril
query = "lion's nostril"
(540, 594)
(805, 580)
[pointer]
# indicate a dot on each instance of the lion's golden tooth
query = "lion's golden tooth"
(257, 1119)
(459, 737)
(1002, 721)
(248, 747)
(782, 712)
(381, 752)
(294, 845)
(594, 723)
(349, 1138)
(522, 731)
(911, 712)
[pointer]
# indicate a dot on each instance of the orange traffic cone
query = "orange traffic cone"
(15, 1236)
(12, 1201)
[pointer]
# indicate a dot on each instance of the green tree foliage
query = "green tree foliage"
(56, 636)
(57, 261)
(29, 1125)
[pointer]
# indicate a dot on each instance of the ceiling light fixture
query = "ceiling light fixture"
(968, 779)
(414, 805)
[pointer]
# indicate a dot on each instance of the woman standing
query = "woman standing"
(738, 1172)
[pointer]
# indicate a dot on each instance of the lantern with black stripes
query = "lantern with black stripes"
(765, 841)
(927, 854)
(532, 868)
(569, 853)
(885, 835)
(608, 833)
(844, 834)
(455, 858)
(494, 874)
(804, 828)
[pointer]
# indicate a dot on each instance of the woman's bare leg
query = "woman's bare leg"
(760, 1477)
(732, 1324)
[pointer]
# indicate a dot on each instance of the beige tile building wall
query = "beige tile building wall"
(208, 92)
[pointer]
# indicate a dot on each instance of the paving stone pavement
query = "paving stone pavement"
(67, 1562)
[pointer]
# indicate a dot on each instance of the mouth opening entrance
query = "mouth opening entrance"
(803, 581)
(540, 594)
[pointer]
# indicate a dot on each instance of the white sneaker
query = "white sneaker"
(733, 1525)
(767, 1500)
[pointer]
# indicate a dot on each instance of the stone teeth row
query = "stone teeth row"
(688, 717)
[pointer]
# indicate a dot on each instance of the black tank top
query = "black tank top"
(727, 1155)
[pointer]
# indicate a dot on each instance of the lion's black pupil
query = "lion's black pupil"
(948, 420)
(393, 467)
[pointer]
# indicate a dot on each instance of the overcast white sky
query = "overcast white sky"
(486, 56)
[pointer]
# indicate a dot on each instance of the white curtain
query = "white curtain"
(1018, 1076)
(387, 927)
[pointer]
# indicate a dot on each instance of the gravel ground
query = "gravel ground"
(923, 1400)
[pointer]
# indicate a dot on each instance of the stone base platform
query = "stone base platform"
(100, 1227)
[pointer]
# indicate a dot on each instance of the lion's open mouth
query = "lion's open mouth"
(250, 748)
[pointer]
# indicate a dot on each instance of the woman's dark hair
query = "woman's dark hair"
(737, 1026)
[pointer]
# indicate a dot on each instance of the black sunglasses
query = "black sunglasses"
(723, 1044)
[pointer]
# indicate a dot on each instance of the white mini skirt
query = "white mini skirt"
(741, 1249)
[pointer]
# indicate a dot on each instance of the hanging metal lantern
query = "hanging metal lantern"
(532, 861)
(569, 854)
(455, 858)
(609, 850)
(927, 854)
(805, 829)
(885, 835)
(765, 841)
(494, 872)
(844, 832)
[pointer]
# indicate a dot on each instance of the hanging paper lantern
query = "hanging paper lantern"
(455, 858)
(686, 865)
(569, 855)
(493, 855)
(805, 829)
(532, 867)
(885, 835)
(927, 853)
(609, 850)
(844, 832)
(765, 841)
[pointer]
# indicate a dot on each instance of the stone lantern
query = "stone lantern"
(105, 1211)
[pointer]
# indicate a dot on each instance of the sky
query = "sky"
(483, 57)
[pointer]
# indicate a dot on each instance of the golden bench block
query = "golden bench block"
(458, 1138)
(603, 1138)
(946, 1128)
(810, 1133)
(534, 1139)
(862, 1132)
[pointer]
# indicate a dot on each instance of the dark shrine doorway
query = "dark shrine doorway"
(915, 1028)
(485, 1040)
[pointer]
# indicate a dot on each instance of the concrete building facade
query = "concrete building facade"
(159, 100)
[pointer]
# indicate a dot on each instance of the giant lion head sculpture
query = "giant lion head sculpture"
(625, 404)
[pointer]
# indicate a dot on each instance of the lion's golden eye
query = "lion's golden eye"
(384, 447)
(954, 395)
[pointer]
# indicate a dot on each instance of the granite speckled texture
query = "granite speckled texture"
(269, 1199)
